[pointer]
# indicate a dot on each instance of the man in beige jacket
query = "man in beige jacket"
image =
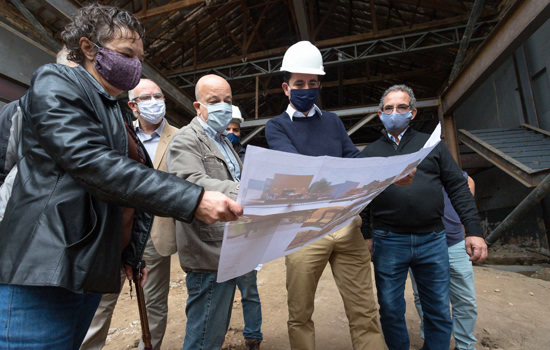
(201, 153)
(147, 104)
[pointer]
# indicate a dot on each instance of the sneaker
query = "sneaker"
(252, 344)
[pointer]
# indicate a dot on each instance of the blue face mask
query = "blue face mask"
(303, 99)
(219, 115)
(234, 139)
(396, 121)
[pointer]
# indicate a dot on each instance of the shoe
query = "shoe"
(252, 344)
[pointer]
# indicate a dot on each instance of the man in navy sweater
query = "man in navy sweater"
(305, 129)
(404, 223)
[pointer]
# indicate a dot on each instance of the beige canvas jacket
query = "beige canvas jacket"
(163, 231)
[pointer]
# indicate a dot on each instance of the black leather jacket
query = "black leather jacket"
(62, 225)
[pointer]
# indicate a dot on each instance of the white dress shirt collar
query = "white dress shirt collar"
(295, 114)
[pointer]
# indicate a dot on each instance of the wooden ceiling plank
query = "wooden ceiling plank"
(229, 33)
(188, 35)
(373, 18)
(330, 42)
(167, 19)
(325, 17)
(400, 17)
(167, 8)
(255, 27)
(439, 5)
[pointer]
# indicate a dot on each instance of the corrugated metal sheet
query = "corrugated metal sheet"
(523, 152)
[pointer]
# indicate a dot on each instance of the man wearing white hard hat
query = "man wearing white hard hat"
(234, 132)
(306, 129)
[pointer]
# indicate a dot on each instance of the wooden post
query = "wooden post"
(448, 132)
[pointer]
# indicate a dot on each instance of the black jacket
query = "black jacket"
(418, 208)
(241, 151)
(6, 115)
(62, 225)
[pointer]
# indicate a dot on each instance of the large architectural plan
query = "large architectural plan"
(291, 200)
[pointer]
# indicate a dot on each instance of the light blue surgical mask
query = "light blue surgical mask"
(396, 121)
(153, 110)
(219, 115)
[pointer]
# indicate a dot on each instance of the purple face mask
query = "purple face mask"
(120, 71)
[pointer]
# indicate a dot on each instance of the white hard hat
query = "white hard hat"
(237, 116)
(303, 57)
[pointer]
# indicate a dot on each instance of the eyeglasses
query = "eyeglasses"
(147, 97)
(400, 109)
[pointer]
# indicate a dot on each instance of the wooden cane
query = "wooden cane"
(145, 333)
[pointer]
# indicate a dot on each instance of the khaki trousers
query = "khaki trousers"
(156, 300)
(349, 259)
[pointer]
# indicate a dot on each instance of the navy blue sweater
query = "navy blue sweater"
(318, 135)
(418, 208)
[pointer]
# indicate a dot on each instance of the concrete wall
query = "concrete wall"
(497, 104)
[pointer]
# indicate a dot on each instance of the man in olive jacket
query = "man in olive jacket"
(200, 153)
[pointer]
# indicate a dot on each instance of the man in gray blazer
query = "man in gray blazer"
(201, 153)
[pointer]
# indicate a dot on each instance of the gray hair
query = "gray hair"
(401, 87)
(197, 93)
(131, 93)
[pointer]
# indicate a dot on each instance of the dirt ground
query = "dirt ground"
(514, 313)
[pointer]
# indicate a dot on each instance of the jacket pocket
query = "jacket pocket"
(215, 167)
(212, 233)
(89, 232)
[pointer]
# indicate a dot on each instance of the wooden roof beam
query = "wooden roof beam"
(327, 15)
(12, 21)
(439, 5)
(190, 34)
(301, 19)
(34, 22)
(325, 43)
(143, 16)
(521, 21)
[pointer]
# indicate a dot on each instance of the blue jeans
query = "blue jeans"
(426, 255)
(462, 295)
(44, 317)
(252, 309)
(208, 311)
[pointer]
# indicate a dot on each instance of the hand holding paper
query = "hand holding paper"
(216, 206)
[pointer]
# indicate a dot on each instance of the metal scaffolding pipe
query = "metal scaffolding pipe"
(541, 191)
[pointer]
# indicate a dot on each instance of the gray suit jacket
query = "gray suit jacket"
(193, 156)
